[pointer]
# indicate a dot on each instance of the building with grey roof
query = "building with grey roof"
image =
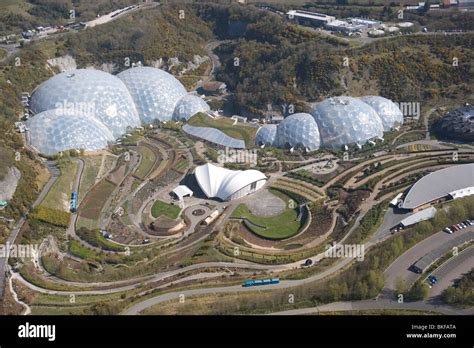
(214, 136)
(426, 261)
(448, 183)
(419, 216)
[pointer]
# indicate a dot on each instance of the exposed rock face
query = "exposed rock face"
(9, 183)
(65, 63)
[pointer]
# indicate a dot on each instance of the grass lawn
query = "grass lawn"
(239, 131)
(147, 161)
(161, 208)
(91, 169)
(60, 194)
(280, 226)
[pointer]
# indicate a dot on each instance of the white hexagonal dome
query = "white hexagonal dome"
(54, 131)
(97, 93)
(154, 91)
(188, 106)
(388, 111)
(299, 130)
(346, 120)
(266, 135)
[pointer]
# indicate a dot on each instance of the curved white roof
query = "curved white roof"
(222, 183)
(448, 181)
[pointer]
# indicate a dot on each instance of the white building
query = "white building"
(226, 184)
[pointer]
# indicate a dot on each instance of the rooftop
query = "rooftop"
(439, 184)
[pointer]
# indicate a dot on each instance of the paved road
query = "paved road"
(378, 305)
(399, 268)
(452, 270)
(51, 165)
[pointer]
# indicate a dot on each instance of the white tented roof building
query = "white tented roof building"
(226, 184)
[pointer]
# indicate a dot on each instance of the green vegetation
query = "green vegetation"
(91, 170)
(280, 226)
(238, 131)
(54, 217)
(139, 36)
(282, 64)
(60, 194)
(160, 208)
(461, 294)
(94, 238)
(148, 159)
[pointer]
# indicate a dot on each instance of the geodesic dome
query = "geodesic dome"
(299, 130)
(458, 124)
(154, 91)
(266, 135)
(54, 131)
(97, 93)
(388, 111)
(346, 120)
(188, 106)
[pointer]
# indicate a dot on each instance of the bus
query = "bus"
(259, 282)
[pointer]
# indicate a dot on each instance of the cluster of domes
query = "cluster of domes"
(86, 108)
(334, 122)
(458, 124)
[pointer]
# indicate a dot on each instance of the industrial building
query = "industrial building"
(310, 18)
(368, 23)
(426, 261)
(444, 184)
(344, 26)
(226, 184)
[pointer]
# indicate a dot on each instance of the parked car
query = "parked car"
(448, 230)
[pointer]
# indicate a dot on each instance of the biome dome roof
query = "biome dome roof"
(266, 135)
(154, 91)
(97, 93)
(188, 106)
(458, 123)
(388, 111)
(346, 120)
(54, 131)
(299, 130)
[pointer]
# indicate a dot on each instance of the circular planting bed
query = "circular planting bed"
(198, 212)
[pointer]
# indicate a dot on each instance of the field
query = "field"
(91, 170)
(147, 161)
(93, 203)
(161, 208)
(280, 226)
(60, 194)
(241, 132)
